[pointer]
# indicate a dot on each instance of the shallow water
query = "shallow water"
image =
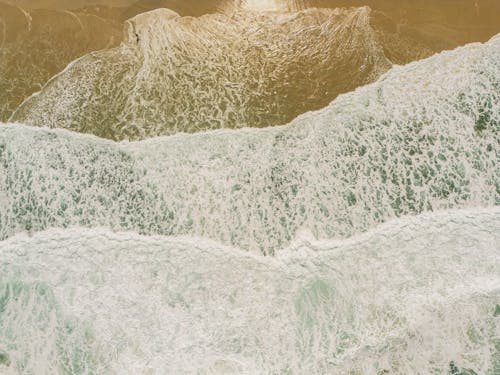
(361, 238)
(408, 297)
(274, 74)
(420, 139)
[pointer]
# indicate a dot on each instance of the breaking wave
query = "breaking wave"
(418, 295)
(424, 137)
(381, 211)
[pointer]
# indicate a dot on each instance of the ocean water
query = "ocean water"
(36, 44)
(417, 295)
(422, 138)
(183, 74)
(362, 238)
(255, 63)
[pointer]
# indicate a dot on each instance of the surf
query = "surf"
(422, 138)
(415, 295)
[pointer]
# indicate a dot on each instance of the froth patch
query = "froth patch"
(412, 296)
(420, 139)
(184, 74)
(148, 20)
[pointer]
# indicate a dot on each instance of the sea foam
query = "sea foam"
(184, 74)
(424, 137)
(418, 295)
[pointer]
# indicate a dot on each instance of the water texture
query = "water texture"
(249, 187)
(409, 297)
(424, 137)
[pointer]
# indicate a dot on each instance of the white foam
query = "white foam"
(422, 138)
(406, 298)
(263, 5)
(183, 74)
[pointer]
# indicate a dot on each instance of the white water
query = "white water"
(424, 137)
(408, 297)
(263, 5)
(183, 74)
